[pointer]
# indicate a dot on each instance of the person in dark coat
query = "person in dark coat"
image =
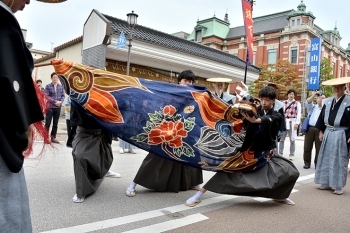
(164, 175)
(92, 152)
(19, 98)
(276, 178)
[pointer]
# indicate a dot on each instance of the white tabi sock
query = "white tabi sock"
(198, 195)
(132, 186)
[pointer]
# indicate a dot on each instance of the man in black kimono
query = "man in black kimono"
(261, 135)
(92, 152)
(165, 175)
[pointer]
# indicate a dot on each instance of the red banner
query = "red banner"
(248, 24)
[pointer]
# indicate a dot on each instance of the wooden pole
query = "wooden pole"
(43, 64)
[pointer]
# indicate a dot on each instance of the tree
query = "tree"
(326, 73)
(282, 73)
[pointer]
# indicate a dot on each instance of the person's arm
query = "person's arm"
(62, 94)
(298, 114)
(311, 98)
(320, 123)
(308, 105)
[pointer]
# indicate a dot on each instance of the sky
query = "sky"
(50, 25)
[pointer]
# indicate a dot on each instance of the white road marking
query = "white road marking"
(302, 178)
(137, 217)
(170, 225)
(155, 213)
(263, 199)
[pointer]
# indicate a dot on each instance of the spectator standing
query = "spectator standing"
(312, 134)
(334, 125)
(55, 93)
(292, 109)
(219, 92)
(39, 84)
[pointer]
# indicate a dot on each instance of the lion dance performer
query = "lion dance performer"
(276, 178)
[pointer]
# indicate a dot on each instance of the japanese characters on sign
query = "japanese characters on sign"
(315, 62)
(248, 24)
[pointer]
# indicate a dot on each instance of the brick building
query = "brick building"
(284, 35)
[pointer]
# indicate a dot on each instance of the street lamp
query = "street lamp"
(132, 20)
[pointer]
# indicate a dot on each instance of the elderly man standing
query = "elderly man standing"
(311, 135)
(334, 126)
(292, 109)
(219, 92)
(55, 92)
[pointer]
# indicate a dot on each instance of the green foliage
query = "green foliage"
(326, 73)
(282, 73)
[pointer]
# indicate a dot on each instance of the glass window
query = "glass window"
(340, 72)
(335, 41)
(293, 22)
(272, 56)
(198, 35)
(294, 55)
(333, 67)
(254, 57)
(298, 21)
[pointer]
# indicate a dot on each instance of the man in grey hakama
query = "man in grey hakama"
(334, 126)
(14, 203)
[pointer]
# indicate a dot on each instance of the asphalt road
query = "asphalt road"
(50, 181)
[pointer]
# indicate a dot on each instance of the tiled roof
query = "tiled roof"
(69, 43)
(58, 48)
(172, 42)
(264, 24)
(47, 57)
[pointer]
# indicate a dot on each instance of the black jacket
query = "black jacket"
(20, 106)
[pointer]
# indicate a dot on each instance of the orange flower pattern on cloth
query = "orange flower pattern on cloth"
(168, 132)
(168, 128)
(169, 110)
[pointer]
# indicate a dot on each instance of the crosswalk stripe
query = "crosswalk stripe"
(137, 217)
(170, 225)
(154, 213)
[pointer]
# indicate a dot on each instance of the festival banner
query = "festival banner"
(121, 40)
(248, 24)
(315, 63)
(186, 124)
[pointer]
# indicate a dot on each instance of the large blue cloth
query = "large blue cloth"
(182, 123)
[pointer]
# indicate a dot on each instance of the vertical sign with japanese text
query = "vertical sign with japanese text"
(315, 63)
(248, 24)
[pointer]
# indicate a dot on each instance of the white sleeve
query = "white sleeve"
(298, 120)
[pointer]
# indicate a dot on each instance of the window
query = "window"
(198, 35)
(272, 56)
(340, 72)
(335, 41)
(347, 73)
(298, 21)
(254, 57)
(333, 67)
(293, 55)
(293, 22)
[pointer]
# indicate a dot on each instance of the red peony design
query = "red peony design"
(169, 110)
(168, 132)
